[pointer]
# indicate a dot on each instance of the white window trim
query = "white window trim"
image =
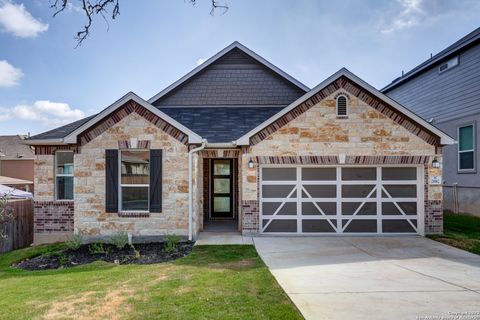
(120, 185)
(474, 132)
(346, 107)
(55, 184)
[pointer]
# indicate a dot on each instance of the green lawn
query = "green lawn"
(213, 282)
(461, 231)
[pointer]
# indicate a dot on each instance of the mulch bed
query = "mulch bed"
(141, 253)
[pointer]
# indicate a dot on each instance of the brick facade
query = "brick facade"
(53, 216)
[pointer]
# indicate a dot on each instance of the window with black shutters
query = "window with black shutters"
(133, 180)
(342, 106)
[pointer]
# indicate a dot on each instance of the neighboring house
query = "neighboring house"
(237, 139)
(445, 90)
(16, 162)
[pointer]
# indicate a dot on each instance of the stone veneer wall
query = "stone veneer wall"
(318, 135)
(89, 183)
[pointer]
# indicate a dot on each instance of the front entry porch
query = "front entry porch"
(220, 195)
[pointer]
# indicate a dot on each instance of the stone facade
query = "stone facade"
(318, 136)
(315, 136)
(89, 183)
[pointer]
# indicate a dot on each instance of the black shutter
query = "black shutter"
(155, 180)
(111, 180)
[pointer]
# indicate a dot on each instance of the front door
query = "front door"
(222, 188)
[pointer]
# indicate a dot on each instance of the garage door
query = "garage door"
(346, 200)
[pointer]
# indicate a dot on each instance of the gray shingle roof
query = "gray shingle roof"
(12, 147)
(63, 131)
(234, 79)
(221, 124)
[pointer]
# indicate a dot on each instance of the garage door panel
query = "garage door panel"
(399, 208)
(276, 191)
(319, 226)
(360, 199)
(279, 208)
(359, 208)
(399, 226)
(358, 191)
(319, 174)
(353, 174)
(279, 174)
(360, 226)
(399, 174)
(280, 225)
(399, 191)
(310, 208)
(319, 191)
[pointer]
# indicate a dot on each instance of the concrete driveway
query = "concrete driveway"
(374, 277)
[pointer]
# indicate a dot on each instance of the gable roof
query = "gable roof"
(451, 50)
(221, 124)
(234, 76)
(14, 148)
(62, 131)
(443, 137)
(64, 135)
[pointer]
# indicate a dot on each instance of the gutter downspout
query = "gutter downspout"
(190, 188)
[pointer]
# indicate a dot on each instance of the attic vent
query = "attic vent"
(448, 65)
(342, 106)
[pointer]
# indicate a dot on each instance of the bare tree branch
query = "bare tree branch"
(93, 8)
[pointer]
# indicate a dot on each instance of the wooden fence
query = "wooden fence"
(19, 231)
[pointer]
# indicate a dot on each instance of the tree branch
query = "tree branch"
(92, 8)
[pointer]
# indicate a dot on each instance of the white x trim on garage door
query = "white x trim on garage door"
(341, 200)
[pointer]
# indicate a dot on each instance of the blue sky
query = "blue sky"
(45, 81)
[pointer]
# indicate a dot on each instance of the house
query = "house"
(237, 139)
(16, 162)
(445, 90)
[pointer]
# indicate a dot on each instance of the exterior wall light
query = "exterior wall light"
(435, 163)
(251, 165)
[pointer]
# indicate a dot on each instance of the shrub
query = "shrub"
(120, 239)
(75, 242)
(171, 242)
(6, 214)
(96, 248)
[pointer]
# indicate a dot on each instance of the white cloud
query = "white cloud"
(15, 19)
(200, 61)
(4, 114)
(411, 15)
(48, 113)
(9, 75)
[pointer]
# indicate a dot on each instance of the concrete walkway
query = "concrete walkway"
(219, 238)
(374, 277)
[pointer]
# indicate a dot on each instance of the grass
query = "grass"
(461, 231)
(213, 282)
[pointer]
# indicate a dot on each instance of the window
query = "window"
(448, 65)
(342, 106)
(466, 148)
(64, 175)
(134, 180)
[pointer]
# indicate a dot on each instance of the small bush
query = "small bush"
(96, 248)
(76, 242)
(119, 240)
(171, 242)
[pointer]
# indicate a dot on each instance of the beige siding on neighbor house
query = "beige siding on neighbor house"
(90, 216)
